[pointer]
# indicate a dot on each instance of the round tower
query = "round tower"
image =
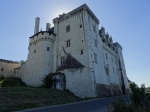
(40, 57)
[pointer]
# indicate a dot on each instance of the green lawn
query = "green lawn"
(19, 98)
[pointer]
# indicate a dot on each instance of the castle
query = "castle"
(77, 51)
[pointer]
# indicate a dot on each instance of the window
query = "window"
(94, 28)
(68, 28)
(107, 66)
(81, 52)
(95, 42)
(2, 69)
(113, 70)
(106, 55)
(47, 48)
(95, 58)
(62, 60)
(80, 25)
(107, 69)
(68, 43)
(34, 51)
(112, 59)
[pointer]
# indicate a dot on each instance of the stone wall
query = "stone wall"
(103, 90)
(7, 67)
(79, 82)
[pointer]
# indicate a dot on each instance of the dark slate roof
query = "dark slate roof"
(51, 31)
(69, 63)
(8, 61)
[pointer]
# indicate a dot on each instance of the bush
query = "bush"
(48, 81)
(12, 82)
(121, 106)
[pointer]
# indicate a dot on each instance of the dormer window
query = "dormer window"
(62, 60)
(68, 43)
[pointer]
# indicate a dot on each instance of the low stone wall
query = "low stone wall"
(103, 90)
(115, 89)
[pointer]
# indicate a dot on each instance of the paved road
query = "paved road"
(95, 105)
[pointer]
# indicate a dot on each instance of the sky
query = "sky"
(127, 21)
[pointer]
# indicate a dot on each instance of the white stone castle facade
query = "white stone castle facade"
(75, 49)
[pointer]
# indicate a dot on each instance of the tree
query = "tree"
(135, 93)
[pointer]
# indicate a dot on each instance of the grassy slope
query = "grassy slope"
(19, 98)
(1, 81)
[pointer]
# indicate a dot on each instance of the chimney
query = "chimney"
(37, 23)
(48, 26)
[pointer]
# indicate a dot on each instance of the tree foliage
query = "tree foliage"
(48, 81)
(140, 100)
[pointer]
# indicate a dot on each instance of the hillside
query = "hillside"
(19, 98)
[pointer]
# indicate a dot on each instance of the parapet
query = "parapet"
(73, 12)
(42, 36)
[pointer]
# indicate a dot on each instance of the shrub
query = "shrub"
(121, 106)
(47, 81)
(12, 82)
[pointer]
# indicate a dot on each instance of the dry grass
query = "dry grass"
(19, 98)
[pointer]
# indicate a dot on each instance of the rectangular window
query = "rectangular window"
(107, 69)
(95, 57)
(112, 59)
(113, 70)
(80, 25)
(47, 48)
(62, 60)
(107, 66)
(94, 28)
(68, 43)
(68, 28)
(81, 52)
(106, 56)
(95, 42)
(34, 51)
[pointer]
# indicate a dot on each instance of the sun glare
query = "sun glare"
(59, 11)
